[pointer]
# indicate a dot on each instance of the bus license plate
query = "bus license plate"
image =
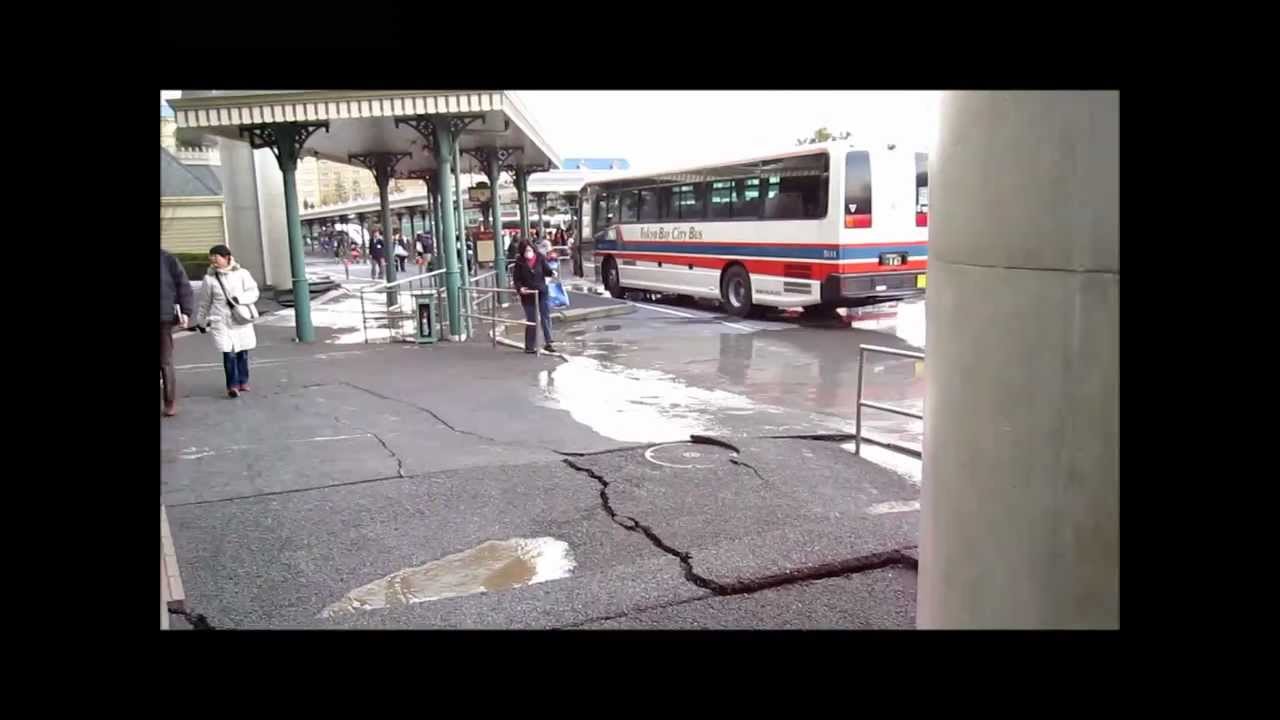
(893, 259)
(920, 281)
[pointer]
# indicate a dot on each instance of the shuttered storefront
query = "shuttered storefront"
(188, 227)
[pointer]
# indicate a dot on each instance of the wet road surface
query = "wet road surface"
(688, 354)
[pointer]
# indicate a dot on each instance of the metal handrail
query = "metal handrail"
(493, 320)
(384, 286)
(428, 277)
(857, 433)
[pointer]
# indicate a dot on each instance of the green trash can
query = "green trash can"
(428, 320)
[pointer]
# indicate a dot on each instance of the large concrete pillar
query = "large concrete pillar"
(1020, 509)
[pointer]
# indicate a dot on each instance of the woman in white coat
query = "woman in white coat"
(227, 285)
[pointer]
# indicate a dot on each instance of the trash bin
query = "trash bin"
(428, 320)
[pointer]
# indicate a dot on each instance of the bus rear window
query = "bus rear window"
(922, 190)
(857, 189)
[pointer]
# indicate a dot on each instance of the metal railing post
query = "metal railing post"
(364, 323)
(857, 415)
(857, 439)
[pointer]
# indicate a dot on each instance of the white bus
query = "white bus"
(817, 227)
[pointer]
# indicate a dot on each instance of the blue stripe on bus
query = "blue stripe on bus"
(847, 252)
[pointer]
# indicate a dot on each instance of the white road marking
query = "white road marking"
(666, 310)
(738, 326)
(894, 506)
(269, 361)
(192, 453)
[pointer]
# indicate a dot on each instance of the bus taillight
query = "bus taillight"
(922, 219)
(857, 221)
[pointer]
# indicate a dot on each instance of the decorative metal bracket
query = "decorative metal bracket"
(260, 136)
(504, 154)
(425, 125)
(382, 165)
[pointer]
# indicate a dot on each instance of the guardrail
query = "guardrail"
(493, 316)
(857, 437)
(399, 304)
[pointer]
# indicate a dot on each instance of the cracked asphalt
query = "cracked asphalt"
(347, 463)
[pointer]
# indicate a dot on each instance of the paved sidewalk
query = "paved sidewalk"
(348, 463)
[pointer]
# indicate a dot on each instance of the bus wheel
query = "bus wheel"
(735, 291)
(612, 282)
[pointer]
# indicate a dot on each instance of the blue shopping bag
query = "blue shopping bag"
(556, 295)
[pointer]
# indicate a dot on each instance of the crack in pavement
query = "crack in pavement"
(820, 571)
(383, 443)
(287, 492)
(197, 620)
(428, 411)
(636, 526)
(746, 464)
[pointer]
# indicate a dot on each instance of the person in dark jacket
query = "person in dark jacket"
(529, 277)
(378, 254)
(177, 305)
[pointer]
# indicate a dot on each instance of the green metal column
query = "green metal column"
(285, 136)
(522, 190)
(494, 172)
(444, 160)
(462, 233)
(412, 239)
(542, 202)
(434, 194)
(383, 178)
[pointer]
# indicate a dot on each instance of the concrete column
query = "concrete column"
(445, 243)
(1019, 522)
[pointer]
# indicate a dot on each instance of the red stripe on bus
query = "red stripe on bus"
(818, 271)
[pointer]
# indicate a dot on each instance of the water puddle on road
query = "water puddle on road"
(632, 405)
(488, 567)
(905, 465)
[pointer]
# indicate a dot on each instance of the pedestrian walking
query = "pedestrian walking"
(225, 310)
(378, 254)
(530, 278)
(177, 305)
(425, 249)
(401, 251)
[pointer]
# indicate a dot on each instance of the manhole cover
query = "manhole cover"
(688, 455)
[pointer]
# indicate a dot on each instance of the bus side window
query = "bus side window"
(857, 189)
(746, 198)
(649, 210)
(611, 218)
(693, 201)
(667, 207)
(630, 206)
(721, 200)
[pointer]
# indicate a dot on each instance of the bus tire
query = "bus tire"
(612, 280)
(735, 291)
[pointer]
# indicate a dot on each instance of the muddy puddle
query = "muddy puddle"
(489, 567)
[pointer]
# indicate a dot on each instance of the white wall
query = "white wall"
(271, 218)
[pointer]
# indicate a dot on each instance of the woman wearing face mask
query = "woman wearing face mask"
(530, 279)
(227, 290)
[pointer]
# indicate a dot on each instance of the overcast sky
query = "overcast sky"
(655, 129)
